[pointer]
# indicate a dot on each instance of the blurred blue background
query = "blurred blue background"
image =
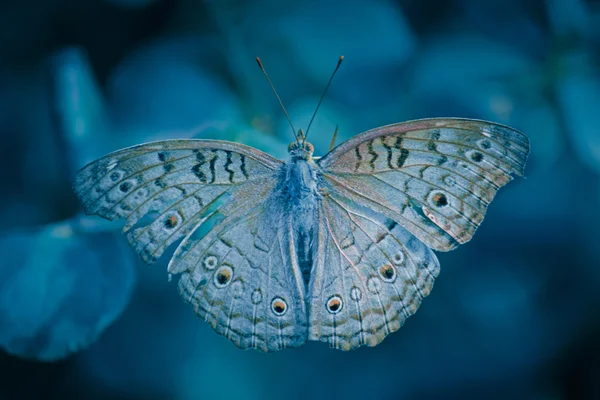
(515, 313)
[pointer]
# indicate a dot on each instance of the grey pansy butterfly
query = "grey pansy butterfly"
(336, 249)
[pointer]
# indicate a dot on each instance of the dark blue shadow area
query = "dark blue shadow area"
(515, 313)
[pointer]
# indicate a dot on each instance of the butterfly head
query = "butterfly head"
(302, 150)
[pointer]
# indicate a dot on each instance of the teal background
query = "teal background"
(515, 313)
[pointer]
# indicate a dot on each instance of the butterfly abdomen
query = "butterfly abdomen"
(300, 195)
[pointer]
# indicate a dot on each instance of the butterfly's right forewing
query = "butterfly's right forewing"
(435, 176)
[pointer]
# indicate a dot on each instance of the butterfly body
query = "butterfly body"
(301, 201)
(337, 249)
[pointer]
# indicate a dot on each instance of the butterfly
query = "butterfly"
(336, 249)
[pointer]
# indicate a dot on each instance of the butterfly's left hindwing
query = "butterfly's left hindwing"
(242, 278)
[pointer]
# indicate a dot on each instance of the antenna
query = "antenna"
(323, 95)
(331, 146)
(278, 99)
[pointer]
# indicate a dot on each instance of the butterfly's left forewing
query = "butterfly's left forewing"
(166, 189)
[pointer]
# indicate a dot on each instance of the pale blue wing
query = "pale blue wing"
(370, 274)
(236, 258)
(435, 177)
(390, 195)
(244, 280)
(165, 189)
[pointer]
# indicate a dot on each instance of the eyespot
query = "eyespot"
(438, 199)
(162, 156)
(398, 258)
(223, 276)
(171, 222)
(484, 144)
(125, 186)
(116, 176)
(256, 296)
(355, 293)
(210, 262)
(476, 156)
(374, 284)
(142, 193)
(335, 304)
(237, 288)
(279, 306)
(168, 167)
(387, 273)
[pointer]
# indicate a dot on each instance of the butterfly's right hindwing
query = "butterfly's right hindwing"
(370, 275)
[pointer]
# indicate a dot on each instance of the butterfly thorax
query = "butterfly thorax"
(301, 151)
(301, 178)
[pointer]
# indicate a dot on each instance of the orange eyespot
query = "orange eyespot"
(387, 272)
(223, 276)
(334, 304)
(279, 306)
(440, 199)
(171, 222)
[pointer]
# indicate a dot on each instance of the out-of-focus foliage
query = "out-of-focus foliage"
(61, 285)
(515, 313)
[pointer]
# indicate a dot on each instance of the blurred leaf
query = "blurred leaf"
(578, 89)
(513, 22)
(161, 90)
(80, 108)
(60, 287)
(462, 65)
(33, 163)
(377, 36)
(300, 42)
(569, 17)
